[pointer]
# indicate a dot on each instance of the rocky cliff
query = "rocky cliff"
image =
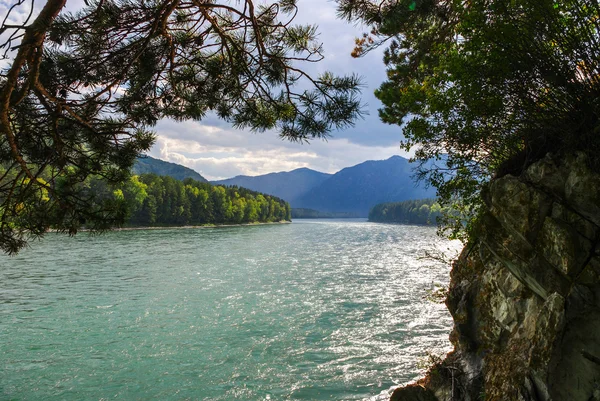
(525, 293)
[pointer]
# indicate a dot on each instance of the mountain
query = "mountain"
(286, 185)
(353, 190)
(147, 164)
(356, 189)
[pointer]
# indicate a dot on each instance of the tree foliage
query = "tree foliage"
(485, 87)
(419, 211)
(82, 91)
(152, 200)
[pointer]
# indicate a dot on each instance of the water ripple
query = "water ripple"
(315, 310)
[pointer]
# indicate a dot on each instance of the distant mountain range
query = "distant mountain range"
(357, 189)
(353, 190)
(289, 185)
(147, 164)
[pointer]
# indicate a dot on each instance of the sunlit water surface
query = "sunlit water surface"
(314, 310)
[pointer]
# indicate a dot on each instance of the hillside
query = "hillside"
(286, 185)
(356, 189)
(147, 165)
(353, 190)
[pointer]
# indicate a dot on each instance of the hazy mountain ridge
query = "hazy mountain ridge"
(147, 165)
(352, 190)
(288, 185)
(358, 188)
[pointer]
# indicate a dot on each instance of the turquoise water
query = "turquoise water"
(313, 310)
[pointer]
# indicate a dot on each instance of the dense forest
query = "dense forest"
(420, 211)
(153, 200)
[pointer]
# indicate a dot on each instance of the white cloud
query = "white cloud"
(221, 153)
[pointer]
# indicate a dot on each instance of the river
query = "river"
(313, 310)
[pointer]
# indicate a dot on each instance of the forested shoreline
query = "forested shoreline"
(303, 213)
(152, 200)
(420, 211)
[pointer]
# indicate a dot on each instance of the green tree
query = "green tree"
(238, 207)
(134, 192)
(223, 209)
(251, 211)
(164, 201)
(263, 208)
(421, 211)
(83, 90)
(204, 207)
(485, 87)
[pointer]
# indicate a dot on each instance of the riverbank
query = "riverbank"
(188, 227)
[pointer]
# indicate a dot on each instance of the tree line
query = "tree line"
(303, 213)
(152, 200)
(420, 211)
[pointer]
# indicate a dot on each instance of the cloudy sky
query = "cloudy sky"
(216, 150)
